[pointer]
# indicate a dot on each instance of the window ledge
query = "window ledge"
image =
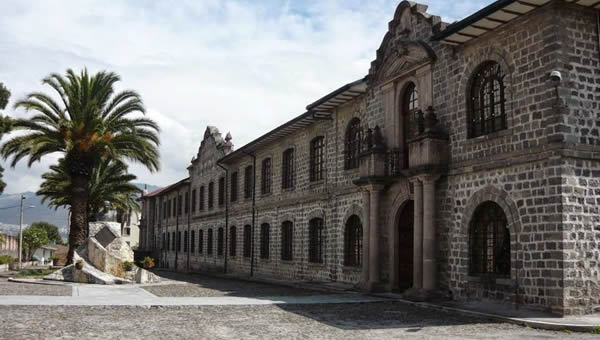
(288, 262)
(290, 189)
(352, 269)
(318, 183)
(489, 136)
(501, 280)
(317, 265)
(263, 260)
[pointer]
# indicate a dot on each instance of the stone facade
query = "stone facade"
(422, 180)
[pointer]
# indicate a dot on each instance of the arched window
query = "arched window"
(352, 144)
(220, 241)
(200, 241)
(209, 244)
(233, 241)
(315, 240)
(287, 169)
(211, 194)
(287, 240)
(247, 240)
(487, 100)
(265, 231)
(410, 107)
(265, 184)
(489, 241)
(353, 242)
(317, 152)
(193, 242)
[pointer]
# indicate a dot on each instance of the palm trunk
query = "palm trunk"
(79, 221)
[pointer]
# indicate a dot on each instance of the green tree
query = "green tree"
(90, 123)
(110, 187)
(51, 231)
(33, 238)
(5, 124)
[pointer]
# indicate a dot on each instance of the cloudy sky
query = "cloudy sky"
(243, 66)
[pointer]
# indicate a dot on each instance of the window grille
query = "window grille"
(233, 241)
(315, 240)
(487, 100)
(247, 240)
(287, 169)
(220, 242)
(353, 242)
(265, 236)
(489, 241)
(352, 145)
(234, 187)
(317, 148)
(221, 191)
(209, 244)
(287, 240)
(211, 194)
(248, 179)
(266, 176)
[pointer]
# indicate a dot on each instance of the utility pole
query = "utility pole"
(21, 234)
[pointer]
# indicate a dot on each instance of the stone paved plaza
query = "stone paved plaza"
(377, 320)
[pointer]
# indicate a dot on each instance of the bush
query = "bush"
(5, 259)
(148, 262)
(127, 266)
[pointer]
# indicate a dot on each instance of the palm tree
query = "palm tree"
(110, 187)
(89, 123)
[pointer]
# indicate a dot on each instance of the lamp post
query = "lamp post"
(21, 231)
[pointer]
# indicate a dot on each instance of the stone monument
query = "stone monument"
(103, 259)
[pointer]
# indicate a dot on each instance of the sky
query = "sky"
(243, 66)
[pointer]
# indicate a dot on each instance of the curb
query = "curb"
(39, 282)
(549, 326)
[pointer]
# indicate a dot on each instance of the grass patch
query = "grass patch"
(34, 273)
(596, 330)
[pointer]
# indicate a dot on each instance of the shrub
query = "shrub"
(5, 259)
(127, 266)
(148, 262)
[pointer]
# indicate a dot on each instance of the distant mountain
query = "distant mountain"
(9, 211)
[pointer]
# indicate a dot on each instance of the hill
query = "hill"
(9, 211)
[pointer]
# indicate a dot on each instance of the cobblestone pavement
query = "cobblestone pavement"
(206, 286)
(13, 288)
(383, 320)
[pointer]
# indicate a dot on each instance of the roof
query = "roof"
(319, 110)
(167, 189)
(340, 96)
(493, 16)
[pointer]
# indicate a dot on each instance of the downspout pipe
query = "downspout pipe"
(253, 211)
(226, 216)
(189, 221)
(177, 238)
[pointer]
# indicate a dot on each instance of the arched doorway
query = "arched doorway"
(405, 246)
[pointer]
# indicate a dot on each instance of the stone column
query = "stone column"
(374, 237)
(429, 249)
(365, 254)
(418, 235)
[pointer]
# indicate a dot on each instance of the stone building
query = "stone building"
(466, 164)
(9, 245)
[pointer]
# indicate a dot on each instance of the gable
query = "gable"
(404, 45)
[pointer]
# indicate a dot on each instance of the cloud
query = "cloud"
(242, 66)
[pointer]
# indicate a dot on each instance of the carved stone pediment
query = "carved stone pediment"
(402, 55)
(401, 48)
